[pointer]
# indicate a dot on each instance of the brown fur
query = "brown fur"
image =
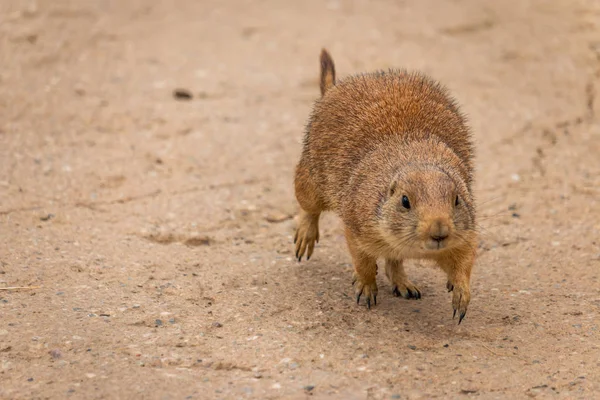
(371, 140)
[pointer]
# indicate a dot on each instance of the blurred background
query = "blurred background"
(147, 151)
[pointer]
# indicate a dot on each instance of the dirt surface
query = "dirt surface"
(155, 233)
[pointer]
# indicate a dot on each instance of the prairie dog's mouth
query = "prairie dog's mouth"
(436, 244)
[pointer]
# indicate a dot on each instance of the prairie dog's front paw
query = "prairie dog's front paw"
(459, 279)
(461, 296)
(366, 289)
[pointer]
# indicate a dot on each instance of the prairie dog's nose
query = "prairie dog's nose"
(439, 230)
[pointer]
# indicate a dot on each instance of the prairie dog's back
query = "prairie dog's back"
(362, 111)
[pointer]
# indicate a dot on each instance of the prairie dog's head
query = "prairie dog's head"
(427, 210)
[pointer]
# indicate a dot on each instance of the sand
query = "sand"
(153, 234)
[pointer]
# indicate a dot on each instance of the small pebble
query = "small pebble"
(412, 347)
(446, 345)
(182, 94)
(516, 215)
(257, 375)
(158, 322)
(198, 241)
(277, 217)
(30, 380)
(217, 324)
(55, 353)
(46, 217)
(309, 388)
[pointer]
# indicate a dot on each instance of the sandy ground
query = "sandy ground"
(157, 232)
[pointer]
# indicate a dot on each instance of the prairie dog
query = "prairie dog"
(391, 154)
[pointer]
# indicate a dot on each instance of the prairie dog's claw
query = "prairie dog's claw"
(408, 291)
(461, 297)
(369, 290)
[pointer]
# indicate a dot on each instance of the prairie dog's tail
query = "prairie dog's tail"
(327, 71)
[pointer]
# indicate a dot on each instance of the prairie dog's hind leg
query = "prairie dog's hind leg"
(307, 233)
(307, 194)
(394, 270)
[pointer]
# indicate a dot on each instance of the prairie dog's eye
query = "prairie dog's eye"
(405, 202)
(457, 201)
